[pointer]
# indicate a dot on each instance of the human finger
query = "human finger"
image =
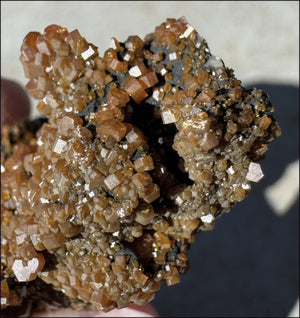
(15, 103)
(130, 311)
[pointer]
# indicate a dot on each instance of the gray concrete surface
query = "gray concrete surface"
(258, 39)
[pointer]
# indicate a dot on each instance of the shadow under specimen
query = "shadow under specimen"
(249, 265)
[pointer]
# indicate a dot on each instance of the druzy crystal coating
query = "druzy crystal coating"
(140, 149)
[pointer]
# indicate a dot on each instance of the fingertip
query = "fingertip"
(148, 309)
(130, 311)
(15, 104)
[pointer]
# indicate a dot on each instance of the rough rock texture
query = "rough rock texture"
(140, 149)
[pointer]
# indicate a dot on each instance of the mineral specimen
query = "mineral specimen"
(140, 149)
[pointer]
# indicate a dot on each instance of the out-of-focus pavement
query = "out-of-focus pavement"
(258, 39)
(248, 266)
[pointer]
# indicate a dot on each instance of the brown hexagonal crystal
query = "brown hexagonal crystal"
(140, 149)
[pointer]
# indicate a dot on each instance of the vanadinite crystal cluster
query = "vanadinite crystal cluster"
(136, 152)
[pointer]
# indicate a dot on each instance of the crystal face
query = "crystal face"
(140, 149)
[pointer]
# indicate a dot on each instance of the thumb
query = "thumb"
(15, 103)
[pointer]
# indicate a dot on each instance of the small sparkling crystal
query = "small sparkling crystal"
(255, 173)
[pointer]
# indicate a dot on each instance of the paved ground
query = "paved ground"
(248, 266)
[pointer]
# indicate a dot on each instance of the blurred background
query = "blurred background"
(249, 265)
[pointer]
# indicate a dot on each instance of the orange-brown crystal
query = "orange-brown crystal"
(139, 150)
(134, 89)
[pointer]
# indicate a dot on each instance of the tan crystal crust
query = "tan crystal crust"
(143, 147)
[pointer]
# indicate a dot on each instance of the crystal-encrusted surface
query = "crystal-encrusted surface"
(142, 148)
